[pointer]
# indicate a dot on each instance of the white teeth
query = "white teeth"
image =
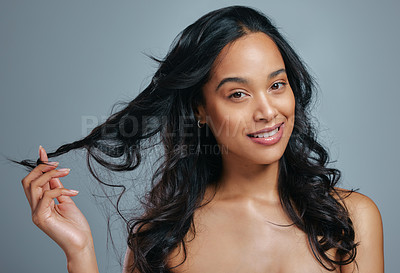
(268, 134)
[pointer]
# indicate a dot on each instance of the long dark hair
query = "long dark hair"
(165, 113)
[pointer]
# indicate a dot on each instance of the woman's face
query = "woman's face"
(249, 92)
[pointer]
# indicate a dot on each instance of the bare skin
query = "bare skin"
(234, 236)
(238, 230)
(62, 222)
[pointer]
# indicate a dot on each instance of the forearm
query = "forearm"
(83, 262)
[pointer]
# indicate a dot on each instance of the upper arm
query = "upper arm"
(368, 233)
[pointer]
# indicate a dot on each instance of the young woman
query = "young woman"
(243, 185)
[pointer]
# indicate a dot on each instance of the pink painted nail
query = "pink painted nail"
(40, 150)
(66, 191)
(64, 170)
(54, 163)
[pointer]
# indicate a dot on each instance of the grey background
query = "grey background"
(63, 63)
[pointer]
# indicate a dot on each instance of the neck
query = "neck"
(248, 181)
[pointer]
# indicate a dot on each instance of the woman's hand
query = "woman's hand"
(62, 222)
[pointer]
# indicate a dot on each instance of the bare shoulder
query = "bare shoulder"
(364, 214)
(360, 206)
(367, 223)
(128, 261)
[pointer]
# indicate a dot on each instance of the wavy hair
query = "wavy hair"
(165, 111)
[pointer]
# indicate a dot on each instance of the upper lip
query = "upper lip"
(266, 130)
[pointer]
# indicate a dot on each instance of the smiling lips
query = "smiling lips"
(268, 136)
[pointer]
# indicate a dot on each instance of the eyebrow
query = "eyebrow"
(244, 81)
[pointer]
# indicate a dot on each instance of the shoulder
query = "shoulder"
(128, 261)
(367, 223)
(361, 208)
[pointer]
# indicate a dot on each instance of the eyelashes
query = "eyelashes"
(283, 84)
(235, 93)
(240, 94)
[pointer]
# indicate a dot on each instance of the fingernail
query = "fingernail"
(64, 170)
(40, 150)
(66, 191)
(54, 163)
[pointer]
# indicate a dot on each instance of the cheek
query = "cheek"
(288, 110)
(287, 104)
(225, 122)
(290, 107)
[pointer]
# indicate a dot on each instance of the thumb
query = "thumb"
(44, 208)
(56, 183)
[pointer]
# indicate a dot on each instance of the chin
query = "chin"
(267, 161)
(264, 158)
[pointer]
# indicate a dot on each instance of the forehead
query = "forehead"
(251, 55)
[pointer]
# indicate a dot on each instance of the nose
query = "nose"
(264, 109)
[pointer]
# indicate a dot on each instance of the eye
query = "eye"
(278, 85)
(237, 95)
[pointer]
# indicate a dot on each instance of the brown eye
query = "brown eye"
(278, 85)
(237, 95)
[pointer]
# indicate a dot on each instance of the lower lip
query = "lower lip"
(269, 140)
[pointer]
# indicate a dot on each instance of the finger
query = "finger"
(34, 174)
(36, 190)
(56, 183)
(43, 157)
(46, 204)
(37, 172)
(43, 154)
(49, 195)
(40, 169)
(45, 178)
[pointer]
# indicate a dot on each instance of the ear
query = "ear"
(200, 113)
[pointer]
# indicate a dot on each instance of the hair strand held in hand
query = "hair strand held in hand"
(306, 184)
